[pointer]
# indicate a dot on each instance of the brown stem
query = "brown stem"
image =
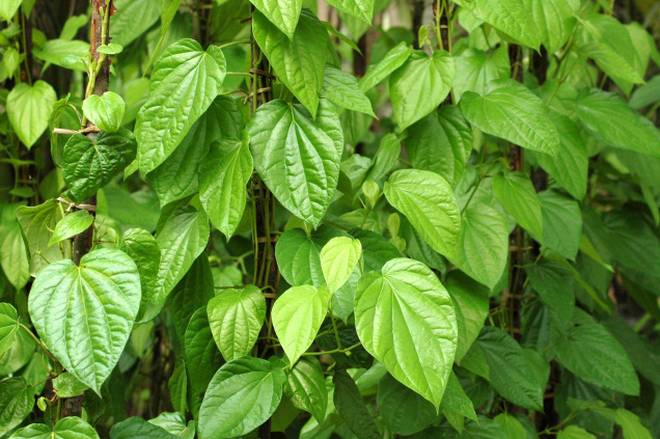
(417, 17)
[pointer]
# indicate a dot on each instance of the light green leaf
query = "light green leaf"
(174, 423)
(105, 111)
(242, 395)
(428, 202)
(339, 257)
(134, 427)
(71, 225)
(483, 244)
(8, 9)
(475, 69)
(517, 195)
(386, 157)
(282, 13)
(71, 427)
(511, 426)
(37, 223)
(512, 112)
(574, 432)
(405, 319)
(555, 21)
(297, 317)
(100, 298)
(70, 54)
(14, 256)
(441, 142)
(16, 343)
(89, 163)
(236, 317)
(65, 385)
(646, 94)
(470, 301)
(29, 108)
(631, 425)
(410, 85)
(223, 179)
(392, 60)
(512, 17)
(299, 63)
(9, 326)
(562, 224)
(298, 158)
(184, 82)
(595, 356)
(142, 247)
(342, 89)
(132, 18)
(306, 388)
(362, 9)
(16, 402)
(612, 122)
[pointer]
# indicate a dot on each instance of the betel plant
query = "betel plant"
(355, 219)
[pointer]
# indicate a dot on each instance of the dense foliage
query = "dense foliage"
(349, 219)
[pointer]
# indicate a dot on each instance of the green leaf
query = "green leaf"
(132, 18)
(386, 157)
(175, 423)
(110, 49)
(236, 317)
(65, 385)
(339, 257)
(517, 195)
(403, 411)
(8, 9)
(511, 426)
(14, 256)
(554, 284)
(595, 356)
(297, 317)
(306, 388)
(428, 202)
(299, 63)
(298, 255)
(483, 244)
(9, 326)
(410, 85)
(16, 402)
(29, 108)
(298, 158)
(392, 60)
(181, 240)
(242, 395)
(612, 122)
(405, 319)
(105, 111)
(512, 17)
(351, 407)
(646, 94)
(184, 82)
(512, 112)
(16, 343)
(71, 225)
(64, 53)
(574, 432)
(555, 21)
(71, 427)
(362, 9)
(37, 223)
(134, 427)
(470, 301)
(562, 224)
(455, 403)
(511, 373)
(475, 69)
(143, 249)
(100, 298)
(342, 89)
(222, 187)
(441, 142)
(282, 13)
(89, 163)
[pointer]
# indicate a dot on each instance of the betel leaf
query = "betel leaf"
(441, 142)
(470, 301)
(512, 112)
(135, 427)
(298, 158)
(410, 85)
(386, 157)
(555, 21)
(362, 9)
(482, 246)
(554, 284)
(282, 13)
(428, 202)
(185, 80)
(132, 18)
(456, 405)
(16, 402)
(236, 317)
(37, 223)
(574, 432)
(89, 163)
(16, 343)
(297, 317)
(299, 63)
(306, 388)
(516, 194)
(66, 385)
(511, 373)
(405, 319)
(105, 111)
(562, 223)
(29, 108)
(298, 256)
(242, 395)
(14, 256)
(223, 177)
(402, 410)
(475, 69)
(595, 356)
(70, 225)
(339, 257)
(174, 423)
(392, 60)
(70, 54)
(71, 427)
(352, 408)
(100, 298)
(614, 123)
(142, 247)
(342, 89)
(8, 9)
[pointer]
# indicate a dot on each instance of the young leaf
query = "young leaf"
(298, 256)
(297, 318)
(100, 298)
(124, 27)
(475, 69)
(516, 194)
(410, 85)
(339, 257)
(405, 319)
(242, 395)
(185, 81)
(390, 62)
(342, 89)
(105, 111)
(14, 256)
(306, 388)
(142, 247)
(71, 427)
(428, 202)
(361, 9)
(29, 108)
(8, 9)
(282, 13)
(297, 157)
(236, 317)
(71, 225)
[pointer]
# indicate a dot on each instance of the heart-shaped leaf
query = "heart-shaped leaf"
(29, 108)
(105, 111)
